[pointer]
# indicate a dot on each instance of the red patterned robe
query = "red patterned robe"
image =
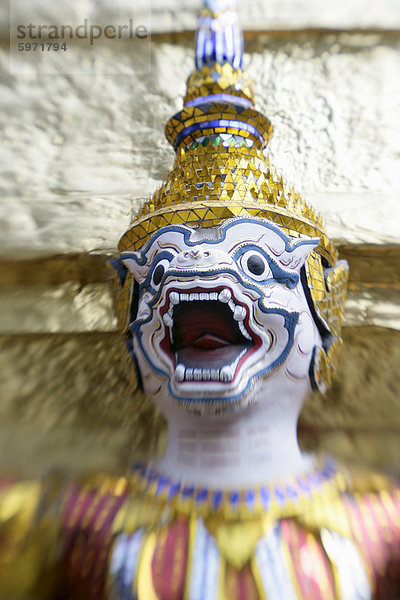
(320, 537)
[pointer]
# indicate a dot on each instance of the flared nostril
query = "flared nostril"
(194, 255)
(198, 258)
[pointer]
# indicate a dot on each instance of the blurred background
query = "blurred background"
(83, 145)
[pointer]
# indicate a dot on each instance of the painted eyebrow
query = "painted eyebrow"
(167, 246)
(138, 257)
(279, 273)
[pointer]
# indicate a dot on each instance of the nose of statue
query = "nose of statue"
(201, 258)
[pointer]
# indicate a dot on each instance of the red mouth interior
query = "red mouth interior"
(205, 335)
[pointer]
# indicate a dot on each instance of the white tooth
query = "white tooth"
(197, 374)
(204, 296)
(180, 372)
(206, 375)
(224, 296)
(239, 313)
(232, 305)
(167, 320)
(227, 373)
(171, 311)
(184, 297)
(244, 331)
(189, 374)
(214, 296)
(195, 296)
(214, 374)
(174, 298)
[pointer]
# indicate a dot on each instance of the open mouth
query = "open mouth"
(207, 334)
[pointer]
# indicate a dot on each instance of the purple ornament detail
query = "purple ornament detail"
(217, 98)
(188, 492)
(234, 498)
(292, 492)
(201, 495)
(280, 496)
(249, 499)
(265, 498)
(216, 500)
(173, 490)
(161, 485)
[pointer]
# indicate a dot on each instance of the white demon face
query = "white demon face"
(220, 311)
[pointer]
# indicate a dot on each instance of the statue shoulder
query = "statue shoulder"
(101, 515)
(361, 480)
(18, 503)
(373, 500)
(28, 538)
(375, 497)
(372, 503)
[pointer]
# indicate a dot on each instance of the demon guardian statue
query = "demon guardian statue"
(230, 296)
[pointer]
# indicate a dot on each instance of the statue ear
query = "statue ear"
(122, 289)
(125, 292)
(119, 268)
(300, 252)
(129, 264)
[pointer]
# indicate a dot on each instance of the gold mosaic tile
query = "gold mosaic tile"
(217, 79)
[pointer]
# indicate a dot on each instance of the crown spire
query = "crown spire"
(219, 102)
(220, 170)
(219, 38)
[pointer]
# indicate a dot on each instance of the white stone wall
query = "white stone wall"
(255, 15)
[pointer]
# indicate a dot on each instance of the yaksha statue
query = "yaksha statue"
(230, 295)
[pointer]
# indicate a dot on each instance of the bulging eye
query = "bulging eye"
(158, 272)
(255, 265)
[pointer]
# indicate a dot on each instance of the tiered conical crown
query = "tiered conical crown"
(220, 170)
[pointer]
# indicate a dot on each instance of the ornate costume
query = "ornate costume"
(325, 536)
(228, 292)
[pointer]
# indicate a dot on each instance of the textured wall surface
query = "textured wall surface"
(180, 15)
(80, 152)
(88, 148)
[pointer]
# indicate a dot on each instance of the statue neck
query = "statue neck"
(254, 447)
